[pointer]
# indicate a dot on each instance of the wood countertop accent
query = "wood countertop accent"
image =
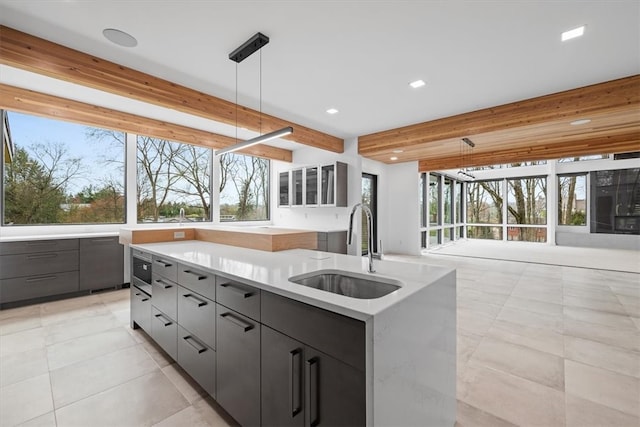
(261, 238)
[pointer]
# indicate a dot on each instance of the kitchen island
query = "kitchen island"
(282, 353)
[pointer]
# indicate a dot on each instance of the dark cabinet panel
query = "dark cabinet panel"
(34, 246)
(238, 296)
(197, 280)
(164, 294)
(101, 263)
(335, 393)
(282, 379)
(32, 264)
(198, 359)
(340, 336)
(140, 309)
(198, 315)
(24, 288)
(164, 331)
(165, 267)
(238, 366)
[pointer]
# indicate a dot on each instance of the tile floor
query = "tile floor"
(538, 345)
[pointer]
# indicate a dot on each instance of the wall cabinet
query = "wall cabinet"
(322, 186)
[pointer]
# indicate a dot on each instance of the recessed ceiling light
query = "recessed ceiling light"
(398, 151)
(572, 34)
(332, 111)
(580, 122)
(119, 37)
(393, 158)
(417, 84)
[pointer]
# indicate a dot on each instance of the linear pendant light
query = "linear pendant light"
(246, 49)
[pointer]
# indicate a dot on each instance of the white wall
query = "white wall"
(403, 216)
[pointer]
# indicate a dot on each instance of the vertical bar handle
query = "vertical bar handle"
(313, 395)
(295, 381)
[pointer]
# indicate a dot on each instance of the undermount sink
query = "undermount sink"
(349, 284)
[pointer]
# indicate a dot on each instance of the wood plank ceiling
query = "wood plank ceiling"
(30, 53)
(535, 129)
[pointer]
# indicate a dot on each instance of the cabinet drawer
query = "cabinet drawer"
(197, 280)
(339, 336)
(165, 294)
(141, 309)
(37, 263)
(34, 246)
(24, 288)
(238, 296)
(198, 359)
(164, 331)
(198, 315)
(165, 267)
(101, 263)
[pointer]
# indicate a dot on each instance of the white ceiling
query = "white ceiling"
(356, 56)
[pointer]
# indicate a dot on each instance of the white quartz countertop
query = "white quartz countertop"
(58, 236)
(271, 270)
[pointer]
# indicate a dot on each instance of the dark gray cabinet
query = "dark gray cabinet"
(333, 241)
(140, 309)
(198, 359)
(165, 294)
(198, 280)
(165, 267)
(101, 263)
(164, 331)
(238, 366)
(198, 315)
(238, 296)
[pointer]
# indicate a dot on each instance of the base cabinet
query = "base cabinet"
(302, 386)
(140, 309)
(238, 366)
(101, 263)
(198, 359)
(164, 331)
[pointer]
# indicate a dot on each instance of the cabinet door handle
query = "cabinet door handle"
(313, 395)
(40, 279)
(47, 243)
(163, 263)
(195, 300)
(166, 321)
(162, 283)
(195, 344)
(143, 298)
(238, 290)
(103, 240)
(42, 256)
(246, 326)
(199, 276)
(295, 381)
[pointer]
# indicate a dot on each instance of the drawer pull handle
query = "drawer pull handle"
(238, 322)
(49, 243)
(295, 381)
(41, 278)
(313, 395)
(163, 263)
(103, 240)
(144, 298)
(162, 283)
(237, 290)
(195, 344)
(164, 320)
(198, 275)
(195, 300)
(42, 256)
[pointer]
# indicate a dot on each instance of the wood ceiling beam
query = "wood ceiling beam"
(567, 105)
(31, 102)
(557, 149)
(27, 52)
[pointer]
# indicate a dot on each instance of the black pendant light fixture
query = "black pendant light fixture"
(463, 173)
(246, 49)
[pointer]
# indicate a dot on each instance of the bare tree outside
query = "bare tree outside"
(244, 188)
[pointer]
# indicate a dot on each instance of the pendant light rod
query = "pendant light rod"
(257, 140)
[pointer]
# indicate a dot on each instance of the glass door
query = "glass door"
(311, 186)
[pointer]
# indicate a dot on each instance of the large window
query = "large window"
(244, 188)
(572, 199)
(484, 202)
(527, 204)
(61, 173)
(616, 202)
(172, 176)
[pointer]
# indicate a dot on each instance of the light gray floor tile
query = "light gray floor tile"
(466, 345)
(22, 341)
(16, 367)
(469, 416)
(86, 378)
(599, 317)
(529, 318)
(534, 306)
(60, 332)
(534, 365)
(184, 383)
(546, 340)
(630, 304)
(71, 309)
(46, 420)
(605, 306)
(512, 398)
(88, 346)
(604, 356)
(584, 413)
(143, 401)
(624, 338)
(607, 388)
(20, 319)
(25, 400)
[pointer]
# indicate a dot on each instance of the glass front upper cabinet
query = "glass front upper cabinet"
(283, 189)
(311, 186)
(297, 187)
